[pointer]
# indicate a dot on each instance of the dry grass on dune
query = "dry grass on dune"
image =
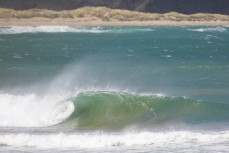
(106, 14)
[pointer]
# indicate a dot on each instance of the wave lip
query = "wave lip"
(32, 111)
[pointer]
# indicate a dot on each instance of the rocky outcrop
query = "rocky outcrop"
(154, 6)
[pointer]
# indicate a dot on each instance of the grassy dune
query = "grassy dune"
(106, 14)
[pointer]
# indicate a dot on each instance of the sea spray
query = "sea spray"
(32, 111)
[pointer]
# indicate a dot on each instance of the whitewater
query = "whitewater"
(114, 89)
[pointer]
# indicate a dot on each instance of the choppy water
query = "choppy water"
(114, 89)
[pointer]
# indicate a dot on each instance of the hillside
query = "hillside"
(107, 14)
(153, 6)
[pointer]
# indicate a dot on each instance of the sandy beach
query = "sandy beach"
(97, 22)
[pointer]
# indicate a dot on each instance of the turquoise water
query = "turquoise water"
(114, 89)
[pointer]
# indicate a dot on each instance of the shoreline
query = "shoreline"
(96, 22)
(102, 16)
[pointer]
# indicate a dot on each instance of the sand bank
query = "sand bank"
(97, 22)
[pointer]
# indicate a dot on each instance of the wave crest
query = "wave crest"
(115, 110)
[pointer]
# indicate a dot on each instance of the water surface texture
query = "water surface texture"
(114, 89)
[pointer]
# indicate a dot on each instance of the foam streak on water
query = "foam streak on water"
(153, 140)
(209, 29)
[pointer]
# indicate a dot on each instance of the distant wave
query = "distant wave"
(73, 29)
(209, 29)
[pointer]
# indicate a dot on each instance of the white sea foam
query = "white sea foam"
(61, 29)
(177, 139)
(209, 29)
(45, 29)
(168, 56)
(32, 111)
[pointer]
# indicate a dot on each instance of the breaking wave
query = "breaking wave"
(114, 110)
(64, 29)
(32, 111)
(106, 110)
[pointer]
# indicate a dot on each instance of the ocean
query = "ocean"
(66, 89)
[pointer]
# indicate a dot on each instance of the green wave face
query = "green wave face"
(112, 110)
